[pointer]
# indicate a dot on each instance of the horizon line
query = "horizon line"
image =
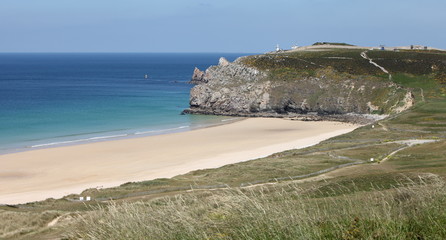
(119, 52)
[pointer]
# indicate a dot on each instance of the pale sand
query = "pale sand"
(56, 172)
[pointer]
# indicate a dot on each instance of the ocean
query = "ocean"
(56, 99)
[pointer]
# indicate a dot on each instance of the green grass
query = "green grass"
(410, 62)
(431, 158)
(307, 63)
(415, 81)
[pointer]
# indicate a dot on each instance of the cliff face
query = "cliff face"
(240, 88)
(230, 88)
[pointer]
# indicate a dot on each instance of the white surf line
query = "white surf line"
(231, 119)
(161, 130)
(364, 55)
(78, 140)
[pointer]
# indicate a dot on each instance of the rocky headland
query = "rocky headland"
(340, 85)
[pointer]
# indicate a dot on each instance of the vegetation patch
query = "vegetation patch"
(331, 43)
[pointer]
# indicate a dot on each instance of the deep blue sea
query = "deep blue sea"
(56, 99)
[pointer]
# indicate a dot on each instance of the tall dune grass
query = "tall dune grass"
(16, 223)
(414, 211)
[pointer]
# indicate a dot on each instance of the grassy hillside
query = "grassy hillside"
(328, 191)
(349, 61)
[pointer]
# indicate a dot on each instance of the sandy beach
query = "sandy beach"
(56, 172)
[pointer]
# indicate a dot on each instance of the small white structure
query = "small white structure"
(81, 198)
(373, 126)
(88, 198)
(372, 159)
(418, 47)
(294, 47)
(278, 48)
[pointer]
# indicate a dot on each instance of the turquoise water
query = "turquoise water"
(57, 99)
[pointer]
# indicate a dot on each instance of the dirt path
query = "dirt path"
(409, 143)
(422, 95)
(328, 173)
(383, 126)
(364, 55)
(331, 174)
(53, 222)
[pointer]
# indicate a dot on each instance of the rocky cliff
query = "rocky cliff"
(229, 88)
(297, 85)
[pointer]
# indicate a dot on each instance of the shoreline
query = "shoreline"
(114, 136)
(59, 171)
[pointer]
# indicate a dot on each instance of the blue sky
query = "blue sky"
(214, 25)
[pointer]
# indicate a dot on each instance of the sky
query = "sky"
(245, 26)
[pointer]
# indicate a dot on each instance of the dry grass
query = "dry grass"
(19, 223)
(414, 211)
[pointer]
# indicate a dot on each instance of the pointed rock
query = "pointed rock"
(223, 62)
(197, 77)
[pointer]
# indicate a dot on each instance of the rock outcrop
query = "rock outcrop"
(197, 77)
(230, 88)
